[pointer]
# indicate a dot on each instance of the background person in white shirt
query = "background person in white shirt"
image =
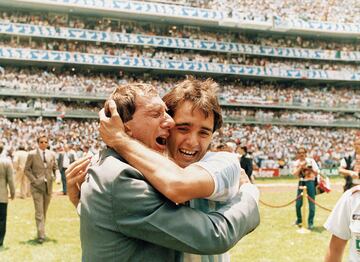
(306, 169)
(344, 225)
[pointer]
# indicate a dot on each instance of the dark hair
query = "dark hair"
(202, 93)
(245, 149)
(125, 98)
(1, 147)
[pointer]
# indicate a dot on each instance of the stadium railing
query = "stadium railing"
(173, 42)
(37, 55)
(85, 114)
(93, 96)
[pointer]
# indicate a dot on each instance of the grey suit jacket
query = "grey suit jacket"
(38, 172)
(123, 218)
(6, 179)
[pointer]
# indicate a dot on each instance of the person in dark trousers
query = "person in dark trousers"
(350, 166)
(246, 161)
(306, 169)
(65, 158)
(6, 181)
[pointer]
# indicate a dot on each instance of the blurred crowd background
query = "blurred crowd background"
(271, 117)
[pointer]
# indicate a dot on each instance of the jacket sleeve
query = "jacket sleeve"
(28, 168)
(143, 213)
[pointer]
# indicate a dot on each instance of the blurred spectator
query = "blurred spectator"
(6, 183)
(20, 157)
(350, 165)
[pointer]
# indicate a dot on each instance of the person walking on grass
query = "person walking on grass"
(6, 182)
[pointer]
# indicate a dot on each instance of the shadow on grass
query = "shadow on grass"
(35, 242)
(318, 229)
(2, 248)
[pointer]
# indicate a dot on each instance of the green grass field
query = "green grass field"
(275, 240)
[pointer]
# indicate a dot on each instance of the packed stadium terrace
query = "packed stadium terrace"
(271, 146)
(18, 132)
(345, 11)
(180, 31)
(262, 114)
(232, 91)
(178, 55)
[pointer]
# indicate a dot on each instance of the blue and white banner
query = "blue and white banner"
(342, 28)
(159, 9)
(171, 65)
(211, 15)
(173, 42)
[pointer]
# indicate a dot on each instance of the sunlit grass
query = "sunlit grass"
(275, 240)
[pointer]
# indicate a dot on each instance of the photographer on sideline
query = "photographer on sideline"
(306, 170)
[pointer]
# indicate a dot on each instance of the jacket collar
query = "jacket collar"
(110, 152)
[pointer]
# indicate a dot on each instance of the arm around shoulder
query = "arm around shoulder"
(141, 212)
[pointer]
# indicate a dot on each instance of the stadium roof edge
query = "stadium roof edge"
(273, 25)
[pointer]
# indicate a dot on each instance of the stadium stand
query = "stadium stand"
(288, 77)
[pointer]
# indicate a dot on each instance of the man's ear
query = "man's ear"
(127, 129)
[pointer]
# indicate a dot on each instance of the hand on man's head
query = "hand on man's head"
(111, 123)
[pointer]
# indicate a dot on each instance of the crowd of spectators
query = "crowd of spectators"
(275, 146)
(19, 132)
(181, 31)
(295, 116)
(177, 54)
(263, 93)
(61, 108)
(232, 91)
(345, 11)
(271, 146)
(48, 106)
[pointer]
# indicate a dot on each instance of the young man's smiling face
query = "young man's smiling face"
(190, 138)
(150, 123)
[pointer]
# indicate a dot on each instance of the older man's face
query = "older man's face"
(150, 123)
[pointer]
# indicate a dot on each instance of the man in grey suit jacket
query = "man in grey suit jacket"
(123, 218)
(6, 180)
(40, 168)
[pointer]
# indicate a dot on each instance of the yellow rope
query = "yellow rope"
(279, 206)
(312, 200)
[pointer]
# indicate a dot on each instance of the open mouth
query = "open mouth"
(161, 140)
(187, 153)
